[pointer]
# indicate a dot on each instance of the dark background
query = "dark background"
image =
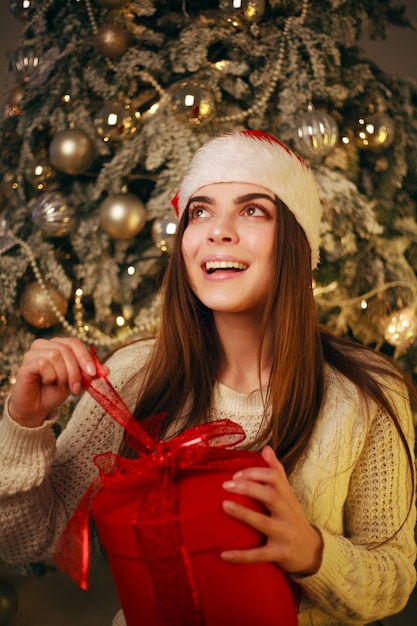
(397, 55)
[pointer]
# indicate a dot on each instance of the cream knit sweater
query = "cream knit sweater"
(352, 483)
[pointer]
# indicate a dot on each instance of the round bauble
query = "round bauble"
(54, 215)
(37, 306)
(22, 10)
(374, 132)
(25, 61)
(8, 602)
(194, 102)
(401, 329)
(12, 106)
(111, 4)
(116, 121)
(163, 233)
(316, 134)
(241, 12)
(39, 173)
(122, 215)
(71, 151)
(111, 40)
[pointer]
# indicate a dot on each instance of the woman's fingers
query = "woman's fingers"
(290, 540)
(50, 371)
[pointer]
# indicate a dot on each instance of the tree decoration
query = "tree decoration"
(401, 329)
(42, 305)
(241, 12)
(116, 121)
(194, 102)
(40, 172)
(54, 214)
(316, 133)
(22, 9)
(111, 4)
(25, 61)
(374, 132)
(271, 54)
(71, 151)
(12, 105)
(8, 602)
(163, 233)
(111, 40)
(122, 216)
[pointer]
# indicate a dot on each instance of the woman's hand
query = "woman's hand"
(291, 541)
(50, 372)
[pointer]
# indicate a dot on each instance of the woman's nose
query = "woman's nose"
(222, 231)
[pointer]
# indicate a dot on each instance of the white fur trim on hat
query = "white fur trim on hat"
(255, 157)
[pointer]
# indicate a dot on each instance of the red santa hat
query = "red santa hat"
(252, 156)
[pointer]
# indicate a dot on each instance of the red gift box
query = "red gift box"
(244, 594)
(161, 522)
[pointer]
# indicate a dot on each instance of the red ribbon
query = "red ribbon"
(153, 473)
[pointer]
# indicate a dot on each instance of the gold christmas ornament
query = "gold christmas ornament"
(111, 4)
(39, 173)
(193, 102)
(401, 329)
(38, 307)
(111, 40)
(12, 106)
(163, 233)
(374, 132)
(54, 215)
(8, 601)
(116, 121)
(122, 216)
(316, 134)
(25, 61)
(241, 12)
(71, 151)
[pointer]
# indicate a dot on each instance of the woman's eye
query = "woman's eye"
(197, 212)
(255, 211)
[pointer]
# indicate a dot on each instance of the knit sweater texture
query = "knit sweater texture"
(352, 483)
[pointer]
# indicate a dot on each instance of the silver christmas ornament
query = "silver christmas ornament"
(54, 215)
(22, 9)
(25, 61)
(316, 134)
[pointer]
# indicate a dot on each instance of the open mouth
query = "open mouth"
(234, 266)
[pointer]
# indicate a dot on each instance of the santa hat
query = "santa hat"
(252, 156)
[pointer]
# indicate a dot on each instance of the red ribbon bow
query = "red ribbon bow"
(206, 445)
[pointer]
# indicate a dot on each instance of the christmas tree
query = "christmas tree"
(112, 98)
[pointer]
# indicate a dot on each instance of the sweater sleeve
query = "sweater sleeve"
(368, 573)
(42, 480)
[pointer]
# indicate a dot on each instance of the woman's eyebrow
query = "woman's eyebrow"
(253, 196)
(206, 199)
(238, 200)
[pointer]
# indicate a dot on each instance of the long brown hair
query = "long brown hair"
(182, 371)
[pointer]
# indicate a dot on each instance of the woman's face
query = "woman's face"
(228, 246)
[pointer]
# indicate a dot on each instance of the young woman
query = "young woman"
(239, 339)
